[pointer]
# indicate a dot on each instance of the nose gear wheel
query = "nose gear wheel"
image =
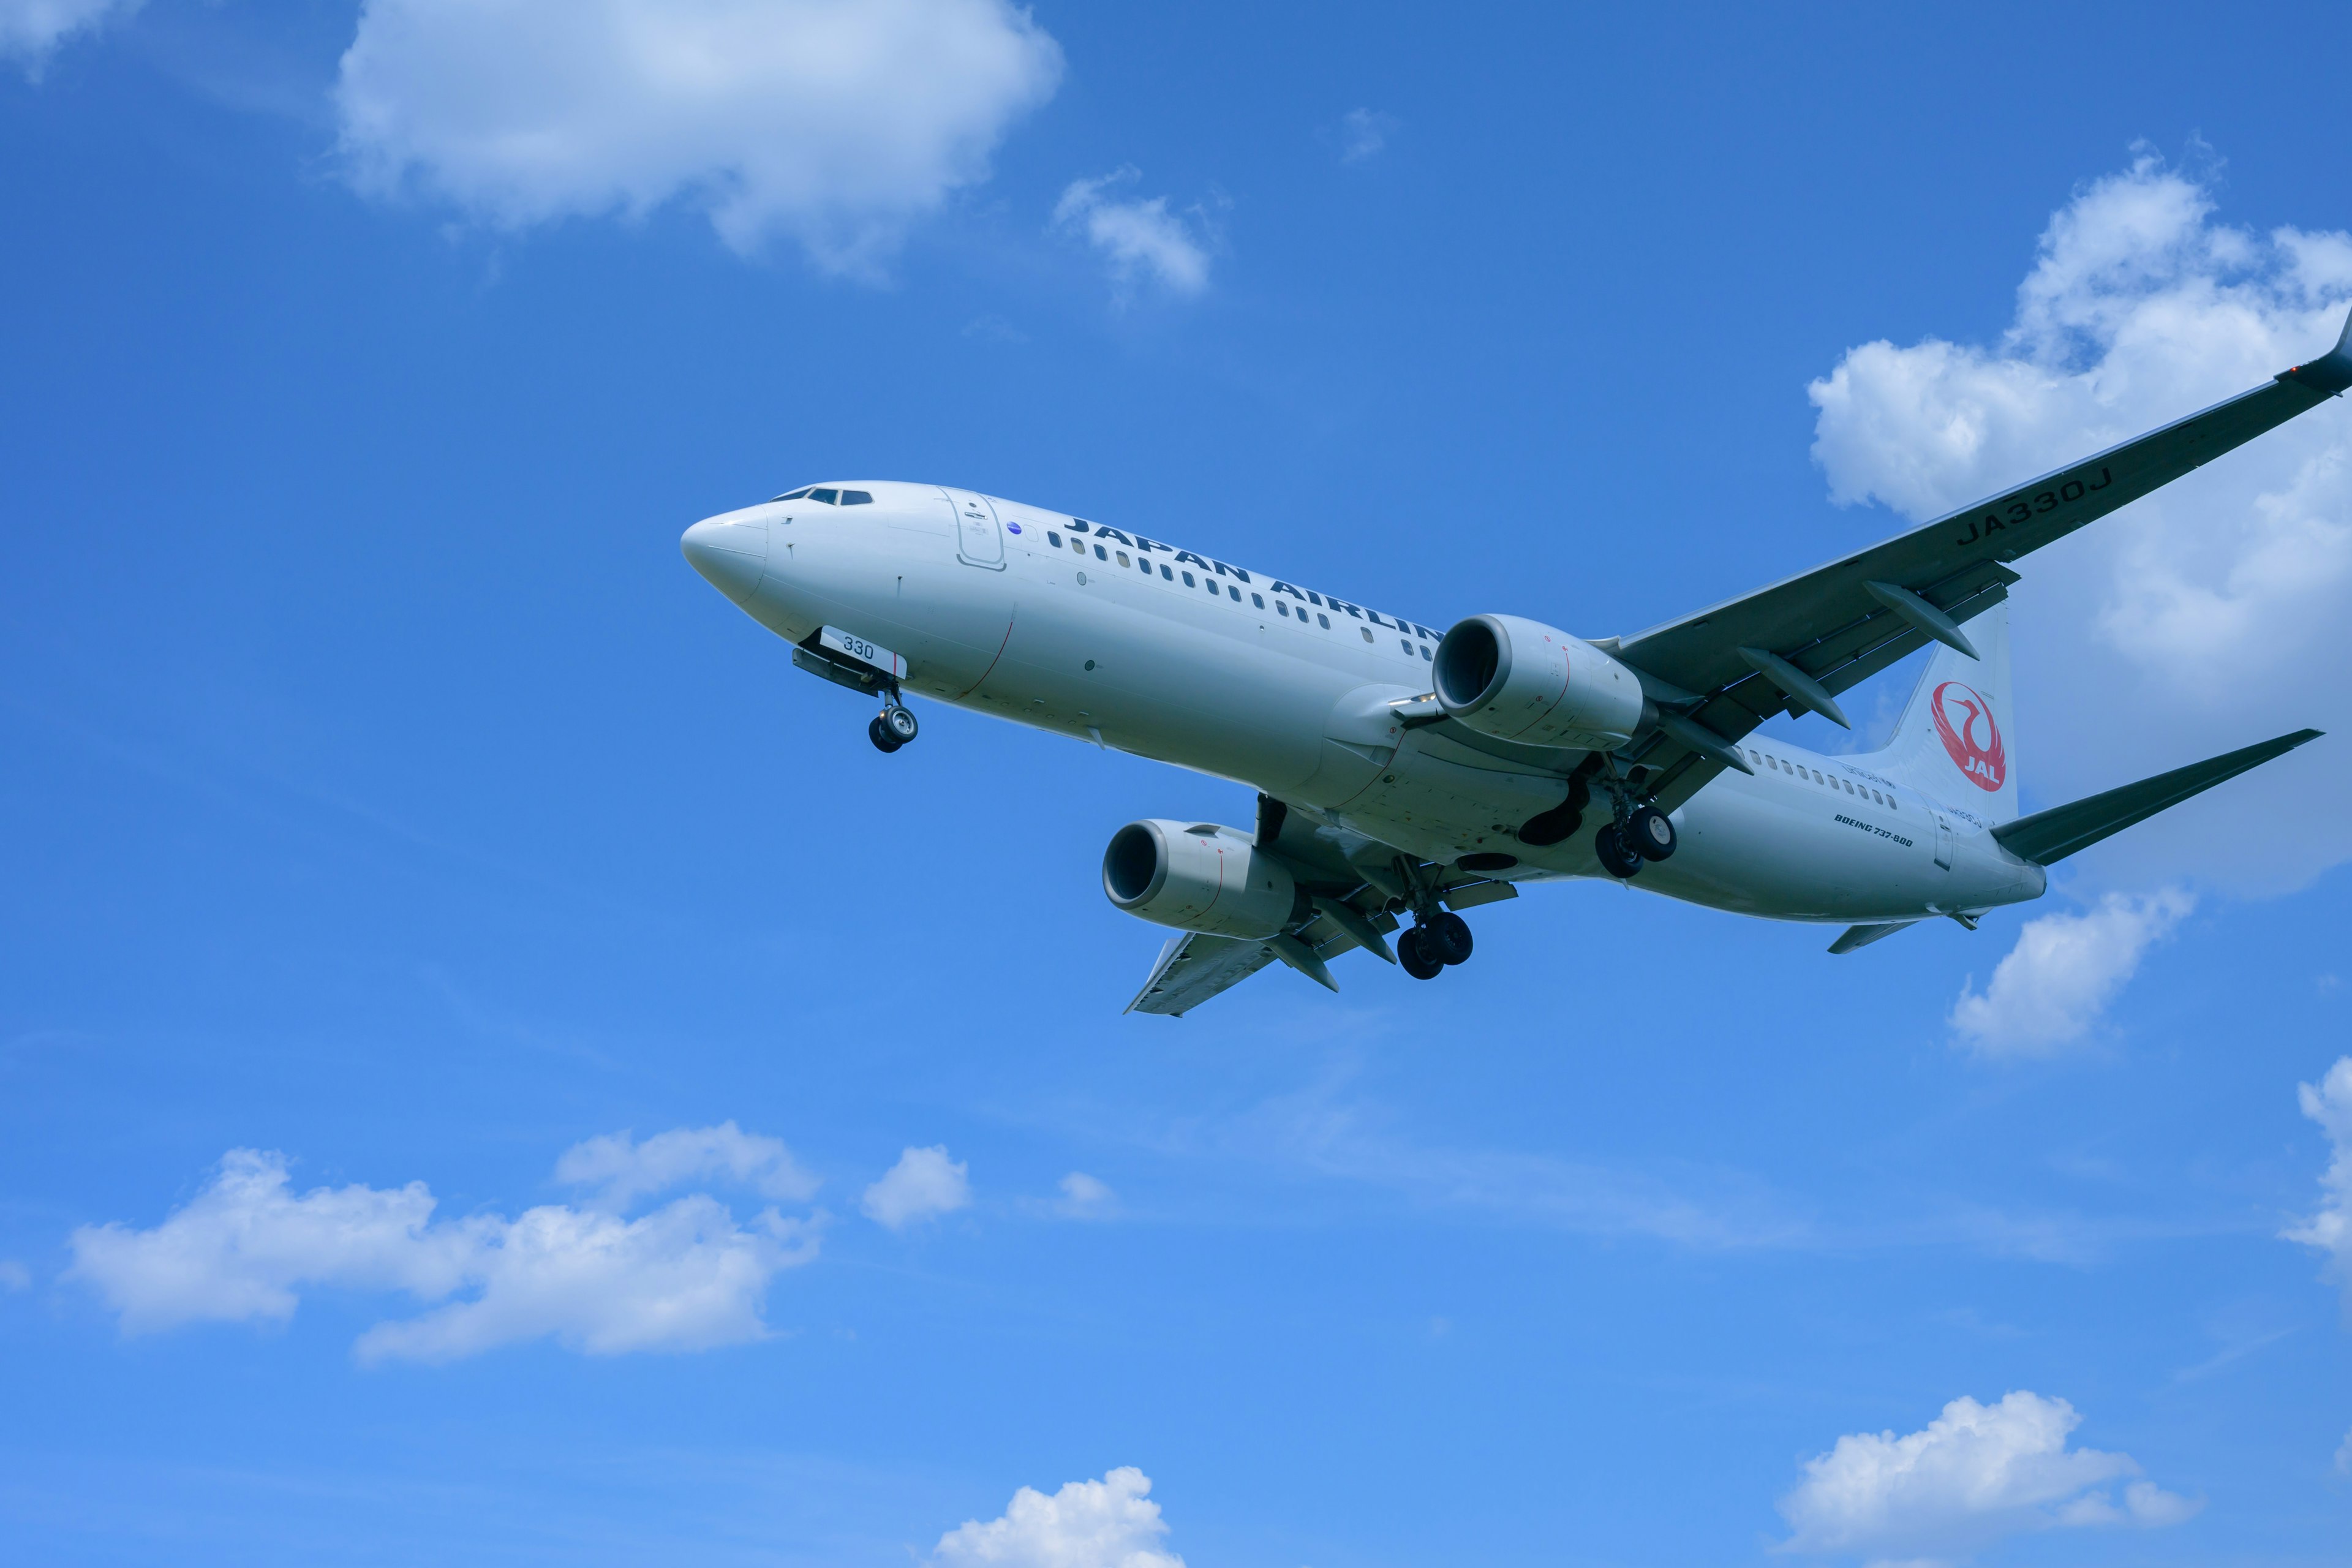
(894, 727)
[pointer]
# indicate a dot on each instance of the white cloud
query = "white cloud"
(1141, 239)
(1109, 1523)
(623, 1171)
(31, 30)
(2329, 1103)
(2064, 970)
(2194, 621)
(1976, 1473)
(2343, 1456)
(832, 122)
(15, 1276)
(924, 1183)
(1086, 1198)
(1362, 132)
(684, 1277)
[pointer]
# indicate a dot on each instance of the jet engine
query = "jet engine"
(1520, 680)
(1201, 877)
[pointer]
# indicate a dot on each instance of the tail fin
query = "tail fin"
(1955, 743)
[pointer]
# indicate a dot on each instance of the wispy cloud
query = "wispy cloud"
(2329, 1103)
(623, 1171)
(1142, 239)
(1361, 133)
(31, 30)
(1976, 1474)
(2054, 984)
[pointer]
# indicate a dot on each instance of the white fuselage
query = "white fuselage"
(1130, 643)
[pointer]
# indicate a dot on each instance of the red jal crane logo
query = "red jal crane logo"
(1964, 721)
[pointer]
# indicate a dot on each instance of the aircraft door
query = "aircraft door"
(980, 537)
(1943, 841)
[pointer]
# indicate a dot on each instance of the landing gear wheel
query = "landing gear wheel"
(1446, 936)
(900, 722)
(879, 733)
(1414, 959)
(1652, 833)
(1618, 858)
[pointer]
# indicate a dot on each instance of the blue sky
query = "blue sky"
(387, 800)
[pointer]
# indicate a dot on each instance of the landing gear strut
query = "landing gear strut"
(893, 727)
(1640, 833)
(1437, 937)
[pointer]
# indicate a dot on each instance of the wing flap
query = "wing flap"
(2047, 837)
(1192, 968)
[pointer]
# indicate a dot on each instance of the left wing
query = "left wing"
(1192, 968)
(1354, 882)
(1792, 647)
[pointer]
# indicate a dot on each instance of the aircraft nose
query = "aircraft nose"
(731, 555)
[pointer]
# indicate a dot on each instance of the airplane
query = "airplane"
(1403, 772)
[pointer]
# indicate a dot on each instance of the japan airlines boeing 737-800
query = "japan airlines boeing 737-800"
(1403, 772)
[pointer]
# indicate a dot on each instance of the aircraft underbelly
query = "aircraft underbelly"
(1436, 807)
(1747, 848)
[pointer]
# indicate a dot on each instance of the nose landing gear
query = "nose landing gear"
(893, 727)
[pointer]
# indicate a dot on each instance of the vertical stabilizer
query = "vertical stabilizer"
(1955, 743)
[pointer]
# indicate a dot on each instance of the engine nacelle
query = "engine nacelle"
(1520, 680)
(1202, 877)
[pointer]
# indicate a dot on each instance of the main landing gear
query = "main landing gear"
(893, 727)
(1644, 834)
(1435, 939)
(1437, 936)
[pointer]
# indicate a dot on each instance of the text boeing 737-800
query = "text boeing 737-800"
(1405, 772)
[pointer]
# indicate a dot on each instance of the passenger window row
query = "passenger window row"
(1169, 574)
(1766, 760)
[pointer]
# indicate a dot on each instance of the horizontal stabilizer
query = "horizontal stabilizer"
(2047, 837)
(1863, 936)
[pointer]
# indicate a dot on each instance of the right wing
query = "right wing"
(1838, 624)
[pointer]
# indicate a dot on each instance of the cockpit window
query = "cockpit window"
(856, 498)
(793, 495)
(830, 497)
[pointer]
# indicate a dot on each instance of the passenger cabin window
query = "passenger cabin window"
(1323, 619)
(1259, 600)
(1367, 631)
(856, 498)
(1053, 538)
(1122, 557)
(1187, 579)
(1166, 575)
(1236, 593)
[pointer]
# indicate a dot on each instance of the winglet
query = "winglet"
(2330, 375)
